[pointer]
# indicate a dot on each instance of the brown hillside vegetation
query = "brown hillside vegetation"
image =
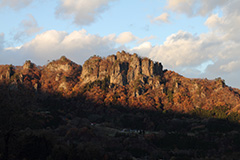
(123, 79)
(119, 107)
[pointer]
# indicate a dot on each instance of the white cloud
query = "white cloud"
(213, 20)
(15, 4)
(125, 37)
(143, 49)
(84, 12)
(181, 50)
(28, 27)
(163, 18)
(195, 7)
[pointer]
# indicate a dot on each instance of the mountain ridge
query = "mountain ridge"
(132, 81)
(124, 108)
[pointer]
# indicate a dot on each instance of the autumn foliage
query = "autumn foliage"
(119, 107)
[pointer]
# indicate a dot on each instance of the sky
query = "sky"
(195, 38)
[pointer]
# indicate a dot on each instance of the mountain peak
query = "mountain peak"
(125, 79)
(122, 69)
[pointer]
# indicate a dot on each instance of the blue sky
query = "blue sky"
(196, 38)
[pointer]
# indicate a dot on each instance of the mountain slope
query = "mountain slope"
(119, 107)
(123, 79)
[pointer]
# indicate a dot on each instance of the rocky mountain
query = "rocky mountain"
(119, 107)
(122, 69)
(126, 79)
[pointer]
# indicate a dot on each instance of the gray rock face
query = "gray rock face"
(147, 67)
(118, 73)
(135, 68)
(59, 67)
(122, 69)
(90, 71)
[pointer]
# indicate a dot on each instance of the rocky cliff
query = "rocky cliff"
(119, 107)
(122, 68)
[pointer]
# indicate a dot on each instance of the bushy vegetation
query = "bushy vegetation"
(53, 127)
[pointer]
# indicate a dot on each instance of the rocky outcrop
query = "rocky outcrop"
(28, 65)
(62, 65)
(118, 73)
(10, 72)
(90, 71)
(122, 69)
(60, 75)
(59, 67)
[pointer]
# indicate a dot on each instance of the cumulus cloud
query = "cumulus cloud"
(163, 18)
(84, 12)
(194, 7)
(125, 37)
(78, 46)
(28, 27)
(181, 50)
(143, 49)
(15, 4)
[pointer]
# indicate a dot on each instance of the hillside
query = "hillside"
(119, 107)
(123, 79)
